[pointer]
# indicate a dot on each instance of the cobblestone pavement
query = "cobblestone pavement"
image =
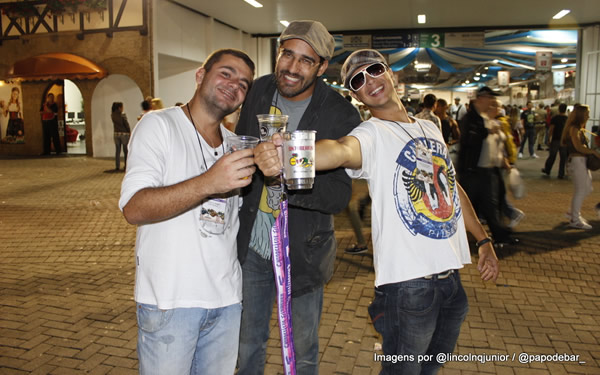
(67, 272)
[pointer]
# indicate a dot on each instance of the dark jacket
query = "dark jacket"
(312, 241)
(472, 134)
(120, 123)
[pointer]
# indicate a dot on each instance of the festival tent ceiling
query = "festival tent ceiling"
(451, 66)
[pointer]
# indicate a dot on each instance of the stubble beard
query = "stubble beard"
(290, 92)
(217, 108)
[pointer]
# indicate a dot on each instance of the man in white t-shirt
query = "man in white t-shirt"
(457, 110)
(419, 215)
(181, 188)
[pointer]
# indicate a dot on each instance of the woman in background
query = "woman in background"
(122, 132)
(574, 139)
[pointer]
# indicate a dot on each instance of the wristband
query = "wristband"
(483, 242)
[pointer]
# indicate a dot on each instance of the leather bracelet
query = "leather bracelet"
(483, 242)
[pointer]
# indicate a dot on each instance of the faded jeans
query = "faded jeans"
(121, 140)
(186, 341)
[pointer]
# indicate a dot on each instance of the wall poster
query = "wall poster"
(12, 129)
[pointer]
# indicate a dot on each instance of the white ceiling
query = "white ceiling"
(354, 15)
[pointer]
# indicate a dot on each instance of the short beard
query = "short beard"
(290, 93)
(217, 110)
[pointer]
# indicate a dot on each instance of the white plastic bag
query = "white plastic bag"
(516, 184)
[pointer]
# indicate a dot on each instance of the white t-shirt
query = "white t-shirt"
(184, 261)
(417, 222)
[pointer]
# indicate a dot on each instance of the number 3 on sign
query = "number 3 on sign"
(435, 40)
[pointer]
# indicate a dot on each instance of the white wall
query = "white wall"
(72, 97)
(588, 70)
(114, 88)
(183, 41)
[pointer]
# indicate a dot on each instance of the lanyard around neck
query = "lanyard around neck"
(198, 138)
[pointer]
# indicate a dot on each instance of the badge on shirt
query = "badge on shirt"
(424, 159)
(213, 215)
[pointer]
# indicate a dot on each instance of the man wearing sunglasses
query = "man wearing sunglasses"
(419, 217)
(296, 90)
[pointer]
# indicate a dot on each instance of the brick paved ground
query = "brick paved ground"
(66, 282)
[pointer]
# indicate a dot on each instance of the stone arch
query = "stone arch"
(114, 88)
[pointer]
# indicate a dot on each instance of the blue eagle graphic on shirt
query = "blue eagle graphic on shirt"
(427, 203)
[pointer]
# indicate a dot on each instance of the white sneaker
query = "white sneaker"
(580, 225)
(517, 219)
(534, 156)
(520, 155)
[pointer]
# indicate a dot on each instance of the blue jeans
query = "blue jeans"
(121, 140)
(188, 340)
(419, 317)
(528, 137)
(259, 296)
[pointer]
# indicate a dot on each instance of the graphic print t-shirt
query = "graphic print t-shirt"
(417, 222)
(268, 208)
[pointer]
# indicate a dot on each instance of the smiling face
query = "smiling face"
(376, 92)
(224, 87)
(297, 69)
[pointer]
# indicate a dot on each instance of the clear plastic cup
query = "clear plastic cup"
(240, 142)
(270, 124)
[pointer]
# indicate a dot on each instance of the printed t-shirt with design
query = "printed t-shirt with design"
(417, 221)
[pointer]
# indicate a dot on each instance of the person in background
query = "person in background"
(354, 214)
(450, 130)
(528, 122)
(157, 104)
(146, 107)
(540, 126)
(516, 125)
(557, 125)
(428, 109)
(296, 90)
(409, 109)
(49, 112)
(457, 110)
(480, 162)
(181, 189)
(508, 150)
(576, 142)
(121, 133)
(420, 302)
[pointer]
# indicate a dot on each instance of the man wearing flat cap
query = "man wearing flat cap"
(296, 90)
(420, 214)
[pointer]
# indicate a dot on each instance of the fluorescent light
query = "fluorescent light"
(564, 60)
(284, 23)
(422, 67)
(495, 61)
(334, 83)
(325, 79)
(421, 18)
(254, 3)
(561, 14)
(476, 78)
